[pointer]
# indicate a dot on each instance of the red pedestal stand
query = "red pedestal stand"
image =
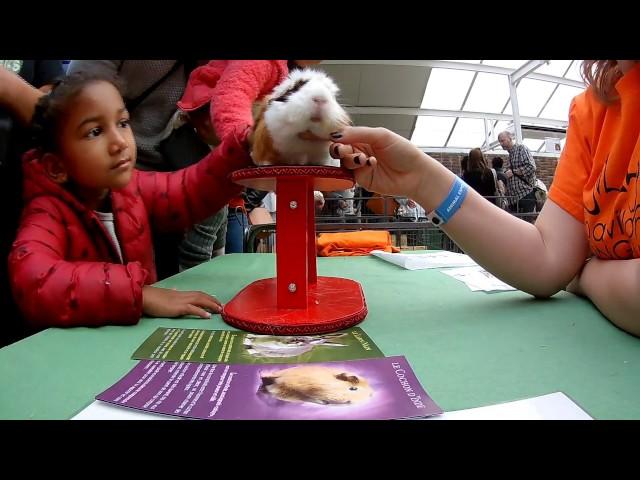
(297, 301)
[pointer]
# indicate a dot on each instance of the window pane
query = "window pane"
(488, 94)
(558, 106)
(533, 143)
(446, 89)
(574, 71)
(431, 131)
(532, 94)
(468, 133)
(555, 68)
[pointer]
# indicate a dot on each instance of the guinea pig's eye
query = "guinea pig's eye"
(353, 388)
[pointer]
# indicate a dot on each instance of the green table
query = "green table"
(468, 349)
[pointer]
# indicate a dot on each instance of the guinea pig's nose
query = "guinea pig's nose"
(319, 100)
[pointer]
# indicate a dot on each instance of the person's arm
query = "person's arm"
(239, 86)
(17, 96)
(539, 259)
(613, 286)
(178, 200)
(107, 66)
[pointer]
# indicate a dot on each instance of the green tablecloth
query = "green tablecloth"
(468, 349)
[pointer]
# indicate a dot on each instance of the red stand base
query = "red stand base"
(297, 301)
(332, 304)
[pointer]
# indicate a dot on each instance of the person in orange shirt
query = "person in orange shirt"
(586, 239)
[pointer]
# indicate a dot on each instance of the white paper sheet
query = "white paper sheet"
(420, 261)
(104, 411)
(554, 406)
(477, 278)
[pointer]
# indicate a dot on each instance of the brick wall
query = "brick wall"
(546, 166)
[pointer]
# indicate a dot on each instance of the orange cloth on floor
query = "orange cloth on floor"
(354, 243)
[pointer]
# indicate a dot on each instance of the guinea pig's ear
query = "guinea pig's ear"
(267, 380)
(345, 377)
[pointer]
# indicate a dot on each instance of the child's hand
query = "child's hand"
(163, 302)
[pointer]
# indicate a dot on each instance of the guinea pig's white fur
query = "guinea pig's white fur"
(295, 121)
(316, 384)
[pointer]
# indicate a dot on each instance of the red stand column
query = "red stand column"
(311, 238)
(292, 252)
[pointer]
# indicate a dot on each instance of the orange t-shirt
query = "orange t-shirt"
(597, 176)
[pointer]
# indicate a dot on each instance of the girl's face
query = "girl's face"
(96, 145)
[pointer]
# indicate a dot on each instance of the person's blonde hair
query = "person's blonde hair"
(602, 75)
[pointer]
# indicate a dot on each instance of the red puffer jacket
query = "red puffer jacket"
(63, 266)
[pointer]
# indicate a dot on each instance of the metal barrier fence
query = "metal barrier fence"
(419, 234)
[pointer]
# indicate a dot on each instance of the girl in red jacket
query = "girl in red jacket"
(83, 254)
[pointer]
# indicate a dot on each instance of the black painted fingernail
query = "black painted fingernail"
(335, 150)
(335, 135)
(357, 159)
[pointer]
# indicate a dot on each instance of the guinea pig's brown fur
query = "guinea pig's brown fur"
(263, 151)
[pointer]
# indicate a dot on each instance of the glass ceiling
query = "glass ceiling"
(488, 93)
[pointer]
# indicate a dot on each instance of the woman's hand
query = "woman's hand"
(384, 162)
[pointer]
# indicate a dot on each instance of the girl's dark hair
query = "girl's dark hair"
(51, 108)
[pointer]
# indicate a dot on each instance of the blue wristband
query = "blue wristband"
(451, 204)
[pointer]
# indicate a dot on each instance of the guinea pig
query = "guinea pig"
(316, 384)
(293, 124)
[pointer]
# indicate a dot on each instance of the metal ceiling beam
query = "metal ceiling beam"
(515, 109)
(432, 112)
(526, 69)
(555, 89)
(473, 67)
(465, 151)
(514, 78)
